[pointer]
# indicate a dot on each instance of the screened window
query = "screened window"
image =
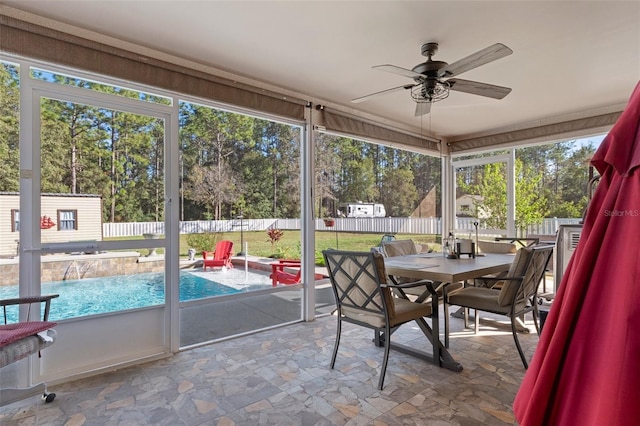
(67, 220)
(82, 83)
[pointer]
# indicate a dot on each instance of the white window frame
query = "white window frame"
(509, 160)
(63, 219)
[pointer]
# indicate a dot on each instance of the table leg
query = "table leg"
(440, 356)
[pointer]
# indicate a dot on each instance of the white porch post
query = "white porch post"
(511, 193)
(29, 235)
(172, 227)
(307, 234)
(448, 195)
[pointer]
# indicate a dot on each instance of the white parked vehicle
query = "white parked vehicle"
(362, 210)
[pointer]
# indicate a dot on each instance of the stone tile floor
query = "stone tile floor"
(282, 377)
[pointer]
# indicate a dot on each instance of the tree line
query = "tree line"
(233, 164)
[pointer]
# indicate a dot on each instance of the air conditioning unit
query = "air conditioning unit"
(566, 243)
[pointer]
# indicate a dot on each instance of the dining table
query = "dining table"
(442, 271)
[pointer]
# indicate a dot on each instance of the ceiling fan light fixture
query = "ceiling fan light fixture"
(430, 91)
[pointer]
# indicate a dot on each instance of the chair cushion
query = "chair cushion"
(405, 311)
(399, 248)
(485, 299)
(366, 291)
(382, 273)
(497, 247)
(24, 347)
(517, 269)
(373, 319)
(10, 333)
(535, 273)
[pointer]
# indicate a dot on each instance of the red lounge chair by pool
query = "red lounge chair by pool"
(279, 275)
(220, 258)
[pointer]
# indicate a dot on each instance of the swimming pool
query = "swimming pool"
(90, 296)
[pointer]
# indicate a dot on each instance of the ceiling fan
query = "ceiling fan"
(432, 82)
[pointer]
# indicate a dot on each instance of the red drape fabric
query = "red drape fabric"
(586, 368)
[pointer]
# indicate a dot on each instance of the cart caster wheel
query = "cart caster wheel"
(49, 397)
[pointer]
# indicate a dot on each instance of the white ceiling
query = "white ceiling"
(571, 58)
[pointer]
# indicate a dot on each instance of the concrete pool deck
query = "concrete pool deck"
(200, 323)
(253, 262)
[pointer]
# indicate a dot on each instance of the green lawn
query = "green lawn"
(289, 245)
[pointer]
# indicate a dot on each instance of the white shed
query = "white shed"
(469, 206)
(64, 218)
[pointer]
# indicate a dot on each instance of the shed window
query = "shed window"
(15, 220)
(67, 220)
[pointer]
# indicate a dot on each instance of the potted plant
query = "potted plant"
(329, 222)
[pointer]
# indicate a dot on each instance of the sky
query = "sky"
(594, 140)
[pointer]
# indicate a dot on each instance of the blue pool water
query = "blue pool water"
(107, 294)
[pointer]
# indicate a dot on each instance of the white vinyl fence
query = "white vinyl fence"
(382, 225)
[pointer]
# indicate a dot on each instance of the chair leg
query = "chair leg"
(335, 347)
(522, 324)
(377, 338)
(476, 319)
(466, 317)
(515, 338)
(536, 318)
(445, 307)
(385, 360)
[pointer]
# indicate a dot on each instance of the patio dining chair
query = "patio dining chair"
(515, 297)
(398, 248)
(363, 297)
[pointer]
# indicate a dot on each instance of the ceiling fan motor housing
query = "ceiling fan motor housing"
(429, 68)
(429, 49)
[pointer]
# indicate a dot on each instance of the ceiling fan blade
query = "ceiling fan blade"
(422, 108)
(382, 92)
(477, 88)
(399, 71)
(474, 60)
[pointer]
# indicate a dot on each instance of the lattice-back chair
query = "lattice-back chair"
(364, 297)
(516, 297)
